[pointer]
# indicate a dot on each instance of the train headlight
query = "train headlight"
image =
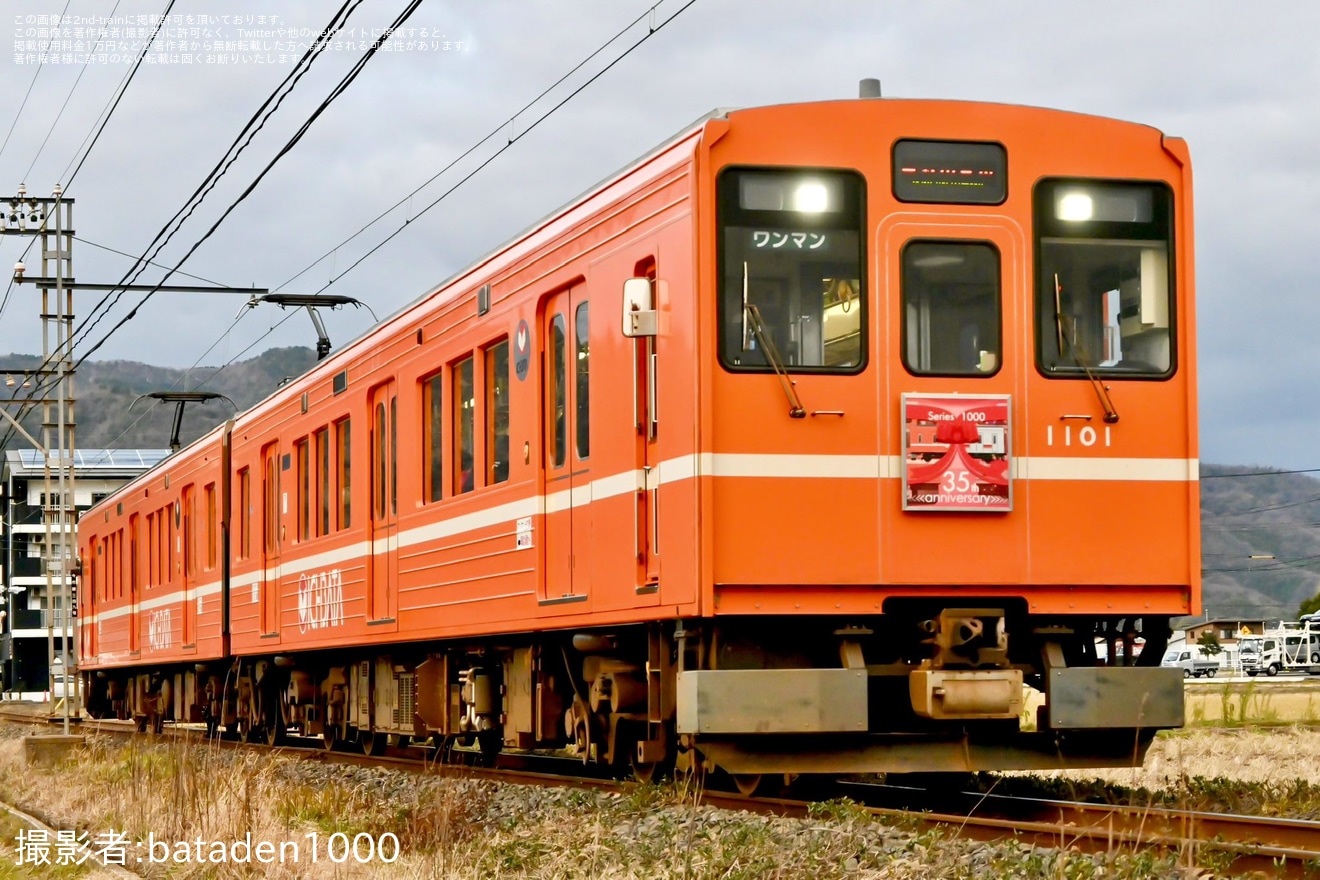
(811, 197)
(813, 194)
(1075, 206)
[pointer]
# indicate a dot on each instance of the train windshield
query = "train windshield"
(791, 255)
(1104, 279)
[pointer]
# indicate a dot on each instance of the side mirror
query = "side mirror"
(638, 308)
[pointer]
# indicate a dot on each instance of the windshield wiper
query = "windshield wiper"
(795, 408)
(1079, 356)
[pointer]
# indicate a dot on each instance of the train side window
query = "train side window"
(304, 489)
(497, 412)
(464, 405)
(134, 583)
(210, 526)
(162, 547)
(582, 383)
(244, 513)
(343, 471)
(171, 532)
(381, 464)
(951, 308)
(189, 533)
(433, 461)
(271, 501)
(394, 454)
(158, 539)
(1104, 285)
(791, 245)
(323, 481)
(151, 549)
(558, 391)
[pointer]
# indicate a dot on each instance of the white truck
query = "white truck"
(1191, 661)
(1293, 646)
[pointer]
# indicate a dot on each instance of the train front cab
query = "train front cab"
(950, 441)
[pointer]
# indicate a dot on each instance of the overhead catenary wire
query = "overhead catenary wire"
(336, 23)
(1260, 474)
(105, 247)
(41, 65)
(56, 121)
(240, 143)
(334, 94)
(652, 31)
(183, 378)
(104, 120)
(95, 136)
(1271, 507)
(502, 127)
(495, 132)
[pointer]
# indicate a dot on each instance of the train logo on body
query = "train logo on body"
(522, 350)
(320, 600)
(160, 630)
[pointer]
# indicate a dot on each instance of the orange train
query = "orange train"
(809, 442)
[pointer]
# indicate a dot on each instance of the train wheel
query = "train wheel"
(491, 742)
(250, 733)
(372, 743)
(747, 783)
(330, 737)
(274, 731)
(651, 772)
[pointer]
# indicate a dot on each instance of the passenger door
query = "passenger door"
(384, 506)
(952, 294)
(566, 445)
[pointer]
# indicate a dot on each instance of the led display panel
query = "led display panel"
(950, 172)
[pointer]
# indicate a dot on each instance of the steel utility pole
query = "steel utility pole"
(51, 219)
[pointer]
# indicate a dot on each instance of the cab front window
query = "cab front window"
(1104, 286)
(790, 244)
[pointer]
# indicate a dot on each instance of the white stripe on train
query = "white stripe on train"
(730, 465)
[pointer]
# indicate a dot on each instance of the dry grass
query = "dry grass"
(1266, 772)
(1253, 702)
(453, 828)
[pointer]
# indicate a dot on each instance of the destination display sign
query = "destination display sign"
(950, 172)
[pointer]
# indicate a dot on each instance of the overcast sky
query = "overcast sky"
(1240, 82)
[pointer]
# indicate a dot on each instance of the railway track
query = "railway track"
(1271, 847)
